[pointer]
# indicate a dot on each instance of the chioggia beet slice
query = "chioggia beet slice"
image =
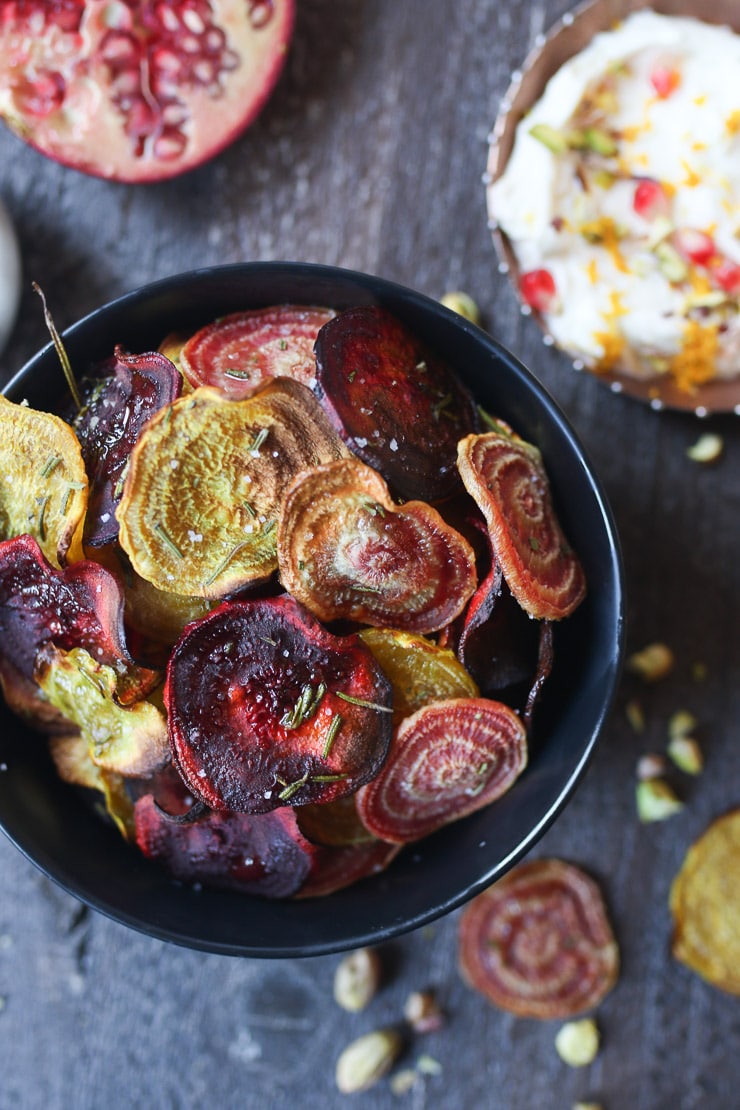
(237, 353)
(127, 391)
(43, 491)
(347, 551)
(538, 943)
(395, 403)
(267, 708)
(507, 479)
(336, 868)
(79, 606)
(261, 854)
(205, 483)
(447, 760)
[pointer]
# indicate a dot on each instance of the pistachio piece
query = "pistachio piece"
(551, 137)
(686, 754)
(422, 1012)
(356, 979)
(652, 662)
(587, 1106)
(404, 1080)
(672, 266)
(577, 1042)
(463, 304)
(635, 714)
(682, 723)
(707, 449)
(600, 142)
(366, 1060)
(656, 800)
(427, 1065)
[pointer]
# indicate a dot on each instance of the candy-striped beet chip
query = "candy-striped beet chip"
(346, 550)
(447, 760)
(237, 353)
(539, 943)
(507, 479)
(267, 708)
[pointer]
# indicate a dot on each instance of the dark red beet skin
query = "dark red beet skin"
(267, 708)
(395, 403)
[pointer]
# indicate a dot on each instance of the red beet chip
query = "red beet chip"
(138, 91)
(346, 550)
(507, 479)
(267, 708)
(336, 868)
(395, 403)
(237, 353)
(447, 760)
(538, 943)
(129, 389)
(261, 854)
(79, 606)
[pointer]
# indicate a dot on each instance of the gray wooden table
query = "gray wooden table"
(370, 156)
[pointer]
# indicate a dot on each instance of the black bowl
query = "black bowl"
(47, 820)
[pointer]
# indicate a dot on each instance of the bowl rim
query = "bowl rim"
(386, 926)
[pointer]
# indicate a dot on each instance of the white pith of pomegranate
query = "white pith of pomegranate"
(138, 90)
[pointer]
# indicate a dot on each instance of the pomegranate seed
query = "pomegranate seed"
(537, 288)
(727, 276)
(695, 246)
(650, 199)
(665, 80)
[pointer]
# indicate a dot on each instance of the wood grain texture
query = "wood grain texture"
(370, 155)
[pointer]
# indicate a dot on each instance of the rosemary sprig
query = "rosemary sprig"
(59, 347)
(361, 701)
(225, 562)
(308, 702)
(51, 466)
(331, 735)
(167, 540)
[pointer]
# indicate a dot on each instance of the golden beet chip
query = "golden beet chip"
(43, 485)
(71, 755)
(127, 740)
(206, 480)
(346, 550)
(418, 670)
(705, 903)
(506, 478)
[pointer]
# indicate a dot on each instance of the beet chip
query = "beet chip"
(80, 606)
(266, 708)
(264, 855)
(538, 943)
(337, 868)
(129, 390)
(447, 760)
(239, 352)
(394, 402)
(506, 477)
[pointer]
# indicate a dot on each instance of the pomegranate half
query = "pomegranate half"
(138, 90)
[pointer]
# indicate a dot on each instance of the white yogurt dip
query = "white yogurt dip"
(623, 207)
(10, 276)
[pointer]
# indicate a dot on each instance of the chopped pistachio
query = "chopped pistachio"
(660, 229)
(463, 304)
(402, 1082)
(686, 754)
(650, 766)
(712, 299)
(577, 1042)
(635, 715)
(672, 266)
(656, 800)
(587, 1106)
(422, 1012)
(707, 449)
(551, 137)
(600, 142)
(366, 1060)
(652, 662)
(681, 723)
(356, 979)
(427, 1065)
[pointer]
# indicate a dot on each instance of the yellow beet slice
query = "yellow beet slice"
(71, 755)
(418, 670)
(128, 741)
(43, 485)
(200, 505)
(705, 903)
